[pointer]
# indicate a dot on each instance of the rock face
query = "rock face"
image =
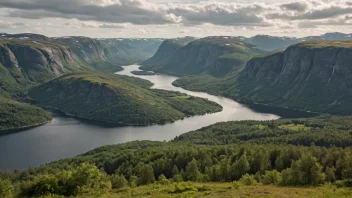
(25, 62)
(210, 54)
(165, 51)
(30, 59)
(314, 75)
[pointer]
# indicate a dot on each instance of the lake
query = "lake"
(68, 137)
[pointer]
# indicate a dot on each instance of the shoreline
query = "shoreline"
(23, 128)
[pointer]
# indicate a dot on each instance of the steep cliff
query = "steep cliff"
(215, 55)
(165, 51)
(311, 76)
(118, 100)
(26, 62)
(314, 75)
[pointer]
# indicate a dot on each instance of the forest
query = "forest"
(16, 114)
(180, 166)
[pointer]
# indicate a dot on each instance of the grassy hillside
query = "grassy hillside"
(114, 99)
(15, 115)
(203, 169)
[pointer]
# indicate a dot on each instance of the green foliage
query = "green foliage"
(15, 115)
(323, 131)
(272, 177)
(248, 180)
(6, 188)
(146, 175)
(118, 181)
(144, 73)
(192, 171)
(118, 100)
(85, 179)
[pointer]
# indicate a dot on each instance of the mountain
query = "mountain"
(25, 62)
(276, 43)
(214, 55)
(25, 36)
(117, 100)
(273, 42)
(146, 46)
(166, 50)
(30, 59)
(15, 115)
(311, 76)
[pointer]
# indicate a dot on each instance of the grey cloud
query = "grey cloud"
(295, 6)
(141, 12)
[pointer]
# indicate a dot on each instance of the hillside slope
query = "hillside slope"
(311, 76)
(118, 100)
(25, 62)
(15, 115)
(214, 55)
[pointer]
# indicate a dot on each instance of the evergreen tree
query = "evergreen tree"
(192, 171)
(240, 167)
(146, 176)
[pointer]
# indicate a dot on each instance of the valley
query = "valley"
(214, 116)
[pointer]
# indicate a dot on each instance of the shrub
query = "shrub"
(248, 180)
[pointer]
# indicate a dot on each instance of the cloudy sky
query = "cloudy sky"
(175, 18)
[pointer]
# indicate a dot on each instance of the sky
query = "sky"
(175, 18)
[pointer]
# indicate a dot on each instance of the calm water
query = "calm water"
(68, 137)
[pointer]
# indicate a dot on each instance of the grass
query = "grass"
(295, 127)
(260, 126)
(214, 190)
(324, 44)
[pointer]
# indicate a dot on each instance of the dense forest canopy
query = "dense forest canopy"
(202, 156)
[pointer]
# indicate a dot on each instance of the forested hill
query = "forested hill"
(311, 76)
(15, 115)
(251, 166)
(214, 55)
(31, 59)
(118, 100)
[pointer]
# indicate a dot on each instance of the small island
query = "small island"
(143, 73)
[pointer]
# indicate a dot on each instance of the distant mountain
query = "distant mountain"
(214, 55)
(118, 100)
(145, 46)
(276, 43)
(166, 50)
(273, 42)
(25, 36)
(312, 76)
